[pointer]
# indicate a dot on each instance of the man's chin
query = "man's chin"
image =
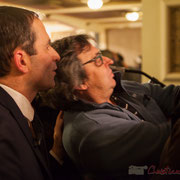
(48, 86)
(52, 85)
(114, 83)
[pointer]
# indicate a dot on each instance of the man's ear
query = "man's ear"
(21, 60)
(82, 87)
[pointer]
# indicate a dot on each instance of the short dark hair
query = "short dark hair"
(15, 30)
(70, 72)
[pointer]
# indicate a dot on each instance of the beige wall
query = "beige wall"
(126, 41)
(155, 40)
(151, 38)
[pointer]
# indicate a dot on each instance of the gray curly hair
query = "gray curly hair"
(70, 72)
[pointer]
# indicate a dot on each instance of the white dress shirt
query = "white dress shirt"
(21, 101)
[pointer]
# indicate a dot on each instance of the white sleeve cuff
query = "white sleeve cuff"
(60, 161)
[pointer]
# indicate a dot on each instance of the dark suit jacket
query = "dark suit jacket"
(20, 159)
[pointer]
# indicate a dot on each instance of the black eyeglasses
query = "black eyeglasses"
(98, 60)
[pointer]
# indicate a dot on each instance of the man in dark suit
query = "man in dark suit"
(27, 66)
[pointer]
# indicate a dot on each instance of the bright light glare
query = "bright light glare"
(134, 16)
(95, 4)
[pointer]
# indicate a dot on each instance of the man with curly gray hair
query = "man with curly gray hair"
(110, 124)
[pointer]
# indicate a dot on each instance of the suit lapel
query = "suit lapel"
(9, 103)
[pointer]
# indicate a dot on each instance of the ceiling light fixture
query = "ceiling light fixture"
(95, 4)
(133, 16)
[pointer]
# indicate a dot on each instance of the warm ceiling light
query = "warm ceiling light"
(133, 16)
(95, 4)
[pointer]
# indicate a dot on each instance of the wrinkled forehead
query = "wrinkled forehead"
(93, 42)
(89, 52)
(84, 46)
(88, 47)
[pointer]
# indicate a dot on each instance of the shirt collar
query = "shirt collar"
(21, 101)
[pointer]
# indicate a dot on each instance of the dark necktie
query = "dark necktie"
(38, 136)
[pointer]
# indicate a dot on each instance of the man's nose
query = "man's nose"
(107, 60)
(56, 56)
